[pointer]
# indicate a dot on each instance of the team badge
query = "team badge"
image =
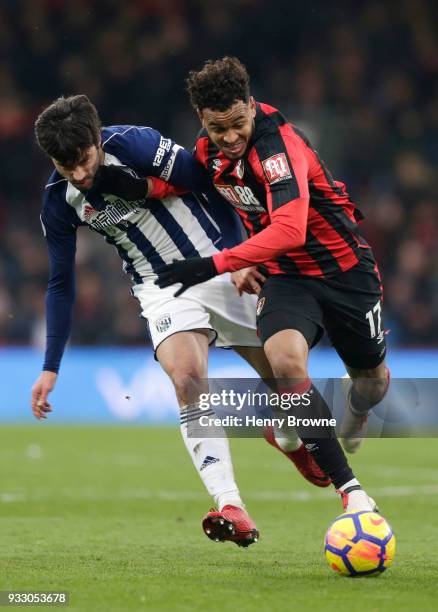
(88, 212)
(163, 323)
(260, 304)
(217, 163)
(276, 168)
(239, 169)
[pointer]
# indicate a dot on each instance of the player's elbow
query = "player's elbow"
(62, 284)
(293, 237)
(300, 236)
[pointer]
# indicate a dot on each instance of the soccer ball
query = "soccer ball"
(359, 544)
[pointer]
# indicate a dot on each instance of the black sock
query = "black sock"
(321, 441)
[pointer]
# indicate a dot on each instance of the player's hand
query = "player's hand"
(188, 272)
(114, 180)
(248, 280)
(40, 392)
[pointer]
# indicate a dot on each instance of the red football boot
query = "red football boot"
(231, 523)
(303, 460)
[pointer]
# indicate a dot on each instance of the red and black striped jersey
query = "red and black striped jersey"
(299, 219)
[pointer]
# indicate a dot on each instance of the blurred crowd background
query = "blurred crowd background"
(361, 78)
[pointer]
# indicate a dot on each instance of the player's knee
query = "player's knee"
(288, 365)
(188, 383)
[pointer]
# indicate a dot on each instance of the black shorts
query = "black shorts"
(347, 306)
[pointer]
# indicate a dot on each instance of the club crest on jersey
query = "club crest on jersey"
(163, 323)
(276, 168)
(260, 304)
(88, 212)
(239, 169)
(217, 163)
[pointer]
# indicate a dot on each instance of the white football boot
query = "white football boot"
(355, 499)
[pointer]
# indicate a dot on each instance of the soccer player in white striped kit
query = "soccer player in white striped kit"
(146, 237)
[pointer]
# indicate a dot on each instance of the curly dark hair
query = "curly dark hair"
(219, 84)
(67, 127)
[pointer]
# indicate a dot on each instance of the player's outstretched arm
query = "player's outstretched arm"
(44, 384)
(60, 231)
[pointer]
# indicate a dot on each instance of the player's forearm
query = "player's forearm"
(187, 173)
(59, 309)
(159, 189)
(277, 239)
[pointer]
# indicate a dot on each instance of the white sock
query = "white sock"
(287, 438)
(359, 500)
(351, 483)
(211, 456)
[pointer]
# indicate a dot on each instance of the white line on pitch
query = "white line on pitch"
(174, 496)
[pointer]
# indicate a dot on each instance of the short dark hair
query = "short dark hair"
(67, 127)
(219, 84)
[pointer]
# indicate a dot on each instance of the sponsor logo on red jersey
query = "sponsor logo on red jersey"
(240, 197)
(276, 168)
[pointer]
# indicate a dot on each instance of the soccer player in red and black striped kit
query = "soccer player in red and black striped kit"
(304, 257)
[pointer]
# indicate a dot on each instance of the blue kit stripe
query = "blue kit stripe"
(192, 202)
(143, 244)
(173, 229)
(130, 269)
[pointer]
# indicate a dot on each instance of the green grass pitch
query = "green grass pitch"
(113, 516)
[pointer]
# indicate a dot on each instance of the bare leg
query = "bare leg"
(366, 389)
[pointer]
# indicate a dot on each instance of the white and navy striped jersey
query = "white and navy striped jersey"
(146, 233)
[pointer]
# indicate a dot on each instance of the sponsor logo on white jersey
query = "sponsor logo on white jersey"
(114, 212)
(163, 148)
(165, 175)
